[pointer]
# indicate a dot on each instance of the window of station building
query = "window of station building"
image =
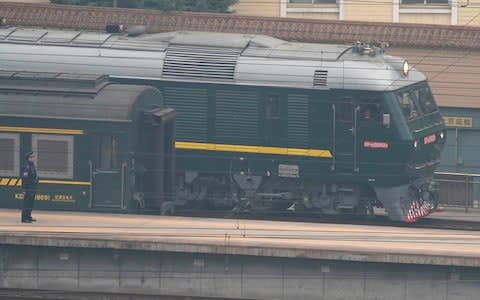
(312, 1)
(106, 152)
(54, 155)
(9, 154)
(425, 2)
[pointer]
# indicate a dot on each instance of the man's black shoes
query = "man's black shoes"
(29, 220)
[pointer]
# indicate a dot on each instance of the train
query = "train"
(267, 125)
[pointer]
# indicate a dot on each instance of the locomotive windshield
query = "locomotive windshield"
(416, 101)
(425, 99)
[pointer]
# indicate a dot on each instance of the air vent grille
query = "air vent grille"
(320, 78)
(201, 62)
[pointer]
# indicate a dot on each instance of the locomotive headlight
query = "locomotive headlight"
(442, 135)
(415, 144)
(406, 68)
(398, 64)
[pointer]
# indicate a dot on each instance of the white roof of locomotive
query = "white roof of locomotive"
(202, 56)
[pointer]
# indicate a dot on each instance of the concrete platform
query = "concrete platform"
(243, 237)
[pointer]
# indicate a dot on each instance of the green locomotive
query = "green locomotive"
(265, 124)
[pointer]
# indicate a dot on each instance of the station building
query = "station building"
(440, 12)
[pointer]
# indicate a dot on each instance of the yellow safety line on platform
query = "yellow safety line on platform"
(254, 149)
(41, 130)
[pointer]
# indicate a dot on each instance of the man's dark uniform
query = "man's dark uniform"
(29, 185)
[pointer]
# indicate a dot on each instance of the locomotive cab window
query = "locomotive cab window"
(425, 99)
(406, 100)
(370, 112)
(54, 157)
(9, 154)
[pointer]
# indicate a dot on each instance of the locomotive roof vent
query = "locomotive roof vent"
(320, 78)
(200, 62)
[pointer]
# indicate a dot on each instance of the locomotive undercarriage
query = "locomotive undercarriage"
(250, 193)
(334, 199)
(241, 192)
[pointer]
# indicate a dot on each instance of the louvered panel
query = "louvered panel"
(236, 117)
(200, 62)
(298, 120)
(320, 78)
(191, 105)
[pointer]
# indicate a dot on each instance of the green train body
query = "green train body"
(89, 135)
(264, 124)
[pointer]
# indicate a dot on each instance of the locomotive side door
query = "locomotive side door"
(373, 136)
(344, 140)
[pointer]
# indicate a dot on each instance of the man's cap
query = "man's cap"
(28, 154)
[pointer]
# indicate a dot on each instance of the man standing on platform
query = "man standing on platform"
(29, 185)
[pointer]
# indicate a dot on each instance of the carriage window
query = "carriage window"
(54, 157)
(272, 107)
(407, 104)
(9, 154)
(106, 152)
